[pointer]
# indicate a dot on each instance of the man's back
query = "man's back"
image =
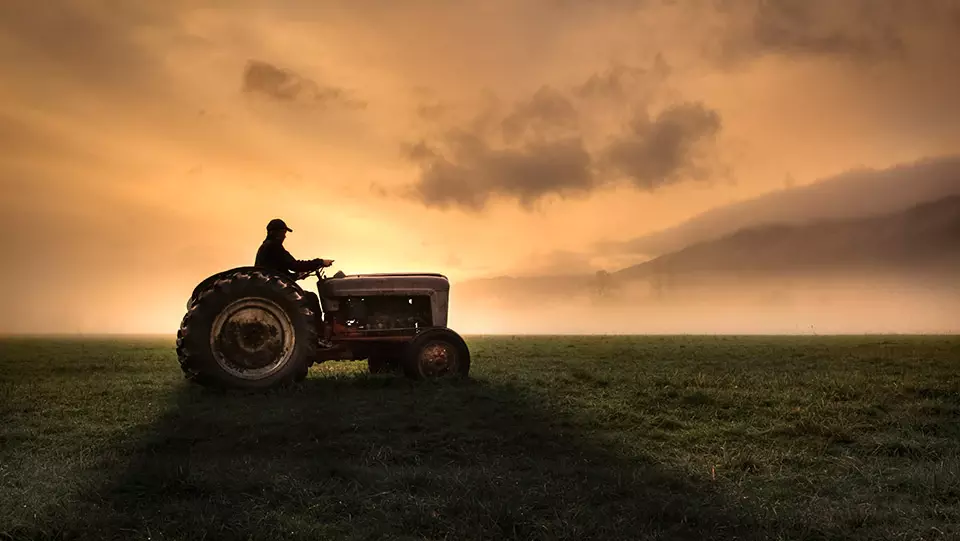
(274, 256)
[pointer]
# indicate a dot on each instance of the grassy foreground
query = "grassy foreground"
(553, 438)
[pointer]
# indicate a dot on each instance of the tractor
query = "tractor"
(254, 328)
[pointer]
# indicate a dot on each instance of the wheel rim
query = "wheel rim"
(252, 338)
(437, 359)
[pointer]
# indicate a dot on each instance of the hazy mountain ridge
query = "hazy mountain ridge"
(925, 237)
(854, 194)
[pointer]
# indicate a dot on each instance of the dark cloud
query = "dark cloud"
(546, 111)
(472, 171)
(551, 144)
(286, 85)
(864, 31)
(658, 151)
(858, 30)
(467, 167)
(525, 153)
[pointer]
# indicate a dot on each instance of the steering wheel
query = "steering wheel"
(303, 275)
(317, 272)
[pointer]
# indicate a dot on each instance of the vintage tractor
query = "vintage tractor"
(252, 328)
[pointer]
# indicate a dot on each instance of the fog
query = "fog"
(803, 306)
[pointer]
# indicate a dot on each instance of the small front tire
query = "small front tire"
(437, 353)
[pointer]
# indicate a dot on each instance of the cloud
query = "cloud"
(658, 151)
(863, 31)
(539, 148)
(546, 111)
(286, 85)
(473, 171)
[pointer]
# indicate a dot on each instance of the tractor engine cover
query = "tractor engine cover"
(400, 300)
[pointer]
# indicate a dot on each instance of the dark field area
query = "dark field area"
(553, 438)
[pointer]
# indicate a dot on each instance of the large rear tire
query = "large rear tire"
(435, 354)
(247, 329)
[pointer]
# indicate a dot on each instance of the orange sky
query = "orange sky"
(146, 144)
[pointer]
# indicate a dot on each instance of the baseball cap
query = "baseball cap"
(276, 224)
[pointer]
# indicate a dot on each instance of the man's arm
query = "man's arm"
(295, 265)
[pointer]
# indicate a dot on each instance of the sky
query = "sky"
(146, 144)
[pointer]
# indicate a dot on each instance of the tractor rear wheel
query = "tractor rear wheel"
(436, 353)
(248, 329)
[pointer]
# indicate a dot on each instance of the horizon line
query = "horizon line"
(4, 335)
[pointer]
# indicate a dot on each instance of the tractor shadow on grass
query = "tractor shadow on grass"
(362, 457)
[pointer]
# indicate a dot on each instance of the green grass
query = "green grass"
(552, 438)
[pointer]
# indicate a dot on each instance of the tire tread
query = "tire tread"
(190, 348)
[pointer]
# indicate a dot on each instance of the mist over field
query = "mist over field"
(836, 305)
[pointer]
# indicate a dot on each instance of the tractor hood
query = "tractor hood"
(434, 286)
(385, 284)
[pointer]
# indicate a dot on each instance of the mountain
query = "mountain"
(924, 237)
(923, 240)
(854, 194)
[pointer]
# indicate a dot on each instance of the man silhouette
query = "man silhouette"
(272, 255)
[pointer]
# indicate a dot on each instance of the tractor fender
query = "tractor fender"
(207, 282)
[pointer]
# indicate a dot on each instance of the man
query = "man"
(274, 256)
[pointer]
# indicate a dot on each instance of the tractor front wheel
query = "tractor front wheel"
(437, 353)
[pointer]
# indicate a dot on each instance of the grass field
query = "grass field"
(552, 438)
